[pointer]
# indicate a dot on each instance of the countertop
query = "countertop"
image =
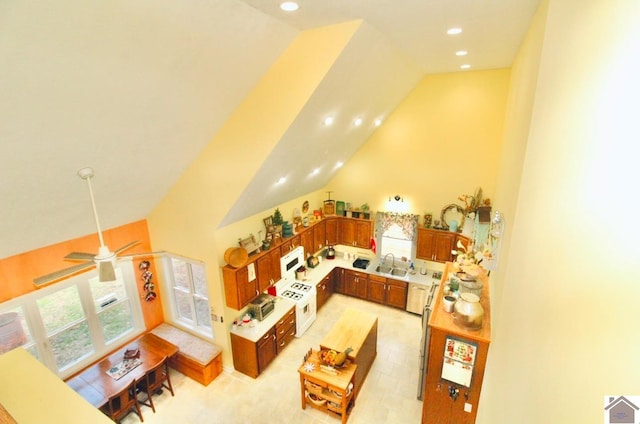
(313, 277)
(351, 330)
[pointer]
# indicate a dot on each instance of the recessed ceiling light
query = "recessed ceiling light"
(328, 120)
(357, 122)
(454, 31)
(315, 171)
(289, 6)
(461, 53)
(377, 122)
(339, 164)
(465, 66)
(282, 180)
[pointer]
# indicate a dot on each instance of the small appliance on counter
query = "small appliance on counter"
(361, 263)
(261, 306)
(331, 252)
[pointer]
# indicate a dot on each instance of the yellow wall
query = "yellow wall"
(565, 333)
(442, 141)
(185, 221)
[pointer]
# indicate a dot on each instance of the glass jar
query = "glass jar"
(468, 313)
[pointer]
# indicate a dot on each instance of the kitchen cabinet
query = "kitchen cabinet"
(238, 290)
(289, 244)
(285, 330)
(447, 339)
(331, 231)
(355, 284)
(435, 245)
(252, 358)
(338, 280)
(306, 241)
(268, 269)
(319, 235)
(387, 291)
(324, 290)
(355, 232)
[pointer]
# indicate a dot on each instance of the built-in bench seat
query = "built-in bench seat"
(196, 358)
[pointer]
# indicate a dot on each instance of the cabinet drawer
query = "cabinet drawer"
(288, 319)
(283, 339)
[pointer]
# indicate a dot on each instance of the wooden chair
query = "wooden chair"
(120, 404)
(153, 382)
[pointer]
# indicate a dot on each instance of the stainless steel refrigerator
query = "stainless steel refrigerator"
(424, 341)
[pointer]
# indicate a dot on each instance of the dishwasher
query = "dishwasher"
(417, 297)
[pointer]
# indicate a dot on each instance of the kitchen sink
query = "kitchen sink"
(383, 269)
(386, 269)
(398, 272)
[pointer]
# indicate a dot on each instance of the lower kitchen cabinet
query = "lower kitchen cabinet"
(252, 358)
(324, 290)
(338, 280)
(355, 284)
(387, 291)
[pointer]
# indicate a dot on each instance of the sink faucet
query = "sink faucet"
(393, 259)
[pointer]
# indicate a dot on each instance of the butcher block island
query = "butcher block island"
(336, 390)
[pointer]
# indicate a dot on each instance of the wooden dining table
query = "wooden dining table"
(96, 386)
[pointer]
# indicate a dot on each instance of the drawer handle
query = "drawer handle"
(265, 337)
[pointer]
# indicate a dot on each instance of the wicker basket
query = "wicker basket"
(236, 256)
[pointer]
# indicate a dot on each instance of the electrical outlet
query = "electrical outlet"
(467, 407)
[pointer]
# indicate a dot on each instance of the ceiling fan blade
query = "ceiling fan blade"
(126, 246)
(49, 278)
(135, 255)
(80, 256)
(106, 271)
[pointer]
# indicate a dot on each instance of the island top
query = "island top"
(351, 330)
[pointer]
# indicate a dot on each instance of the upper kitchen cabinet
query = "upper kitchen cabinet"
(306, 241)
(319, 235)
(331, 231)
(355, 232)
(238, 290)
(268, 269)
(435, 245)
(289, 244)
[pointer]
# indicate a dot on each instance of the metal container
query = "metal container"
(474, 287)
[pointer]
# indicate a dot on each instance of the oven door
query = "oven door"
(305, 315)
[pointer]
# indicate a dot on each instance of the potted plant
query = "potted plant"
(365, 211)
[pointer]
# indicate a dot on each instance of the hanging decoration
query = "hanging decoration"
(147, 278)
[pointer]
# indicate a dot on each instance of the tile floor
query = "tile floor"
(387, 396)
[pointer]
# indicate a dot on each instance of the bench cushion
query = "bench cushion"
(190, 346)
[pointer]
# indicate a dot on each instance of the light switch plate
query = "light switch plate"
(467, 407)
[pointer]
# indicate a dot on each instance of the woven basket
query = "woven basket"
(236, 256)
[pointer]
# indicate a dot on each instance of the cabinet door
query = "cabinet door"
(338, 280)
(324, 290)
(306, 240)
(347, 231)
(425, 244)
(363, 234)
(266, 350)
(376, 289)
(238, 290)
(319, 235)
(263, 270)
(444, 245)
(248, 289)
(289, 244)
(397, 293)
(355, 284)
(332, 231)
(274, 257)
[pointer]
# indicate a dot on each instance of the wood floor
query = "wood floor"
(387, 396)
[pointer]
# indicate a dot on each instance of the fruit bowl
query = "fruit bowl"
(332, 358)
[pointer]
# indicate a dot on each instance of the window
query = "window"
(188, 294)
(395, 242)
(76, 321)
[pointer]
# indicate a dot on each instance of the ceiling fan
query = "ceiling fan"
(104, 260)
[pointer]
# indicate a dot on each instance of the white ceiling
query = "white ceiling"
(137, 89)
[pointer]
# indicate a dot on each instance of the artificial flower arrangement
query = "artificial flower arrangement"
(468, 259)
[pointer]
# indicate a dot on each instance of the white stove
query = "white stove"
(303, 294)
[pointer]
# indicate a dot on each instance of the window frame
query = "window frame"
(40, 339)
(169, 289)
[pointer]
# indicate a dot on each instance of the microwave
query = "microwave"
(261, 306)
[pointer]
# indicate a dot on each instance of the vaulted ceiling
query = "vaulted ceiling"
(137, 89)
